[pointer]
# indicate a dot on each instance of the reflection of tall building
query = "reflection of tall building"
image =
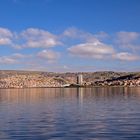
(80, 95)
(80, 79)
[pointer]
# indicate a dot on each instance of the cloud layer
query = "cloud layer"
(37, 38)
(49, 55)
(44, 45)
(95, 50)
(5, 36)
(12, 59)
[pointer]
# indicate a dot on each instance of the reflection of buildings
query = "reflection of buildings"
(37, 95)
(80, 95)
(80, 79)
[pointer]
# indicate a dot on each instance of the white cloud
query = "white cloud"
(49, 55)
(5, 36)
(38, 38)
(125, 56)
(72, 32)
(29, 38)
(7, 60)
(128, 41)
(95, 50)
(5, 33)
(19, 56)
(75, 33)
(127, 37)
(98, 50)
(12, 59)
(84, 45)
(5, 41)
(102, 35)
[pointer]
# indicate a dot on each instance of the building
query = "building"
(80, 79)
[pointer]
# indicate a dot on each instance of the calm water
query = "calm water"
(70, 114)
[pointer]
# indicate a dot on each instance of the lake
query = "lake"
(70, 114)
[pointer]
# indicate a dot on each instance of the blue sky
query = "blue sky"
(70, 35)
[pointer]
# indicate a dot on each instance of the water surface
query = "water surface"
(70, 114)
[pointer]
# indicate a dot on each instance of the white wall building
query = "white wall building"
(80, 79)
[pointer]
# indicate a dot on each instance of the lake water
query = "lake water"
(70, 114)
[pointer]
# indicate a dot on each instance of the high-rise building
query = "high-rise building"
(80, 79)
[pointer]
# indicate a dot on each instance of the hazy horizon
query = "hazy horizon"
(69, 71)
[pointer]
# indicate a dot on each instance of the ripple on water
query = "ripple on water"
(70, 114)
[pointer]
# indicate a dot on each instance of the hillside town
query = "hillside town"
(25, 79)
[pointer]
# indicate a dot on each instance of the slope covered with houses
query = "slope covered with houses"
(28, 79)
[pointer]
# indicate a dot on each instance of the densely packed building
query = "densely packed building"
(18, 79)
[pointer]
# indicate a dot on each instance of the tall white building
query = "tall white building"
(80, 79)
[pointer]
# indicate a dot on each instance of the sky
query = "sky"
(70, 35)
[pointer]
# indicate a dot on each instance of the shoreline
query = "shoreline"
(73, 87)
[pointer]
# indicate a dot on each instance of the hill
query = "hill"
(23, 79)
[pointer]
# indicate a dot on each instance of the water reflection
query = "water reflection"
(70, 113)
(36, 94)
